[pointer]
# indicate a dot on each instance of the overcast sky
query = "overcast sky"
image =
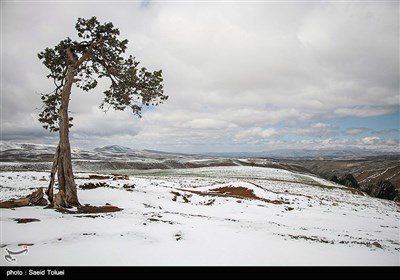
(240, 76)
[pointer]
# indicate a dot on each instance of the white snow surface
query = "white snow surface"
(179, 218)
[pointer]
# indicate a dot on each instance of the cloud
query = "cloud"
(365, 111)
(377, 143)
(207, 124)
(362, 130)
(356, 130)
(316, 129)
(368, 143)
(385, 131)
(240, 76)
(255, 135)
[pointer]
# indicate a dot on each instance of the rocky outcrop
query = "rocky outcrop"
(383, 189)
(367, 188)
(347, 180)
(334, 179)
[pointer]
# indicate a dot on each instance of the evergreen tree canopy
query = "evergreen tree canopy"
(96, 54)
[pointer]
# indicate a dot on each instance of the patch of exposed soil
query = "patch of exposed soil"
(311, 238)
(99, 177)
(98, 209)
(26, 220)
(90, 186)
(105, 177)
(26, 244)
(237, 192)
(90, 209)
(178, 236)
(159, 220)
(129, 187)
(323, 240)
(185, 197)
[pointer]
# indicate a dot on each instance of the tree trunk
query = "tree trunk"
(66, 180)
(50, 189)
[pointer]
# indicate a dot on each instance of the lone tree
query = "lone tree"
(96, 54)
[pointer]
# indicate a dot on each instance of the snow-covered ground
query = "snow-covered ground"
(206, 216)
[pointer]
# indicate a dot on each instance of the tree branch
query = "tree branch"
(71, 56)
(88, 54)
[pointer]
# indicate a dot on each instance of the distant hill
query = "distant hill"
(366, 166)
(366, 170)
(304, 153)
(114, 149)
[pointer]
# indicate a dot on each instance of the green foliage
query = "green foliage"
(97, 54)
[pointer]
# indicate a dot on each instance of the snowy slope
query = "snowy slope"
(206, 216)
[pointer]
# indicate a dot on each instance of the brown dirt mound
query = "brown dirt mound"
(236, 192)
